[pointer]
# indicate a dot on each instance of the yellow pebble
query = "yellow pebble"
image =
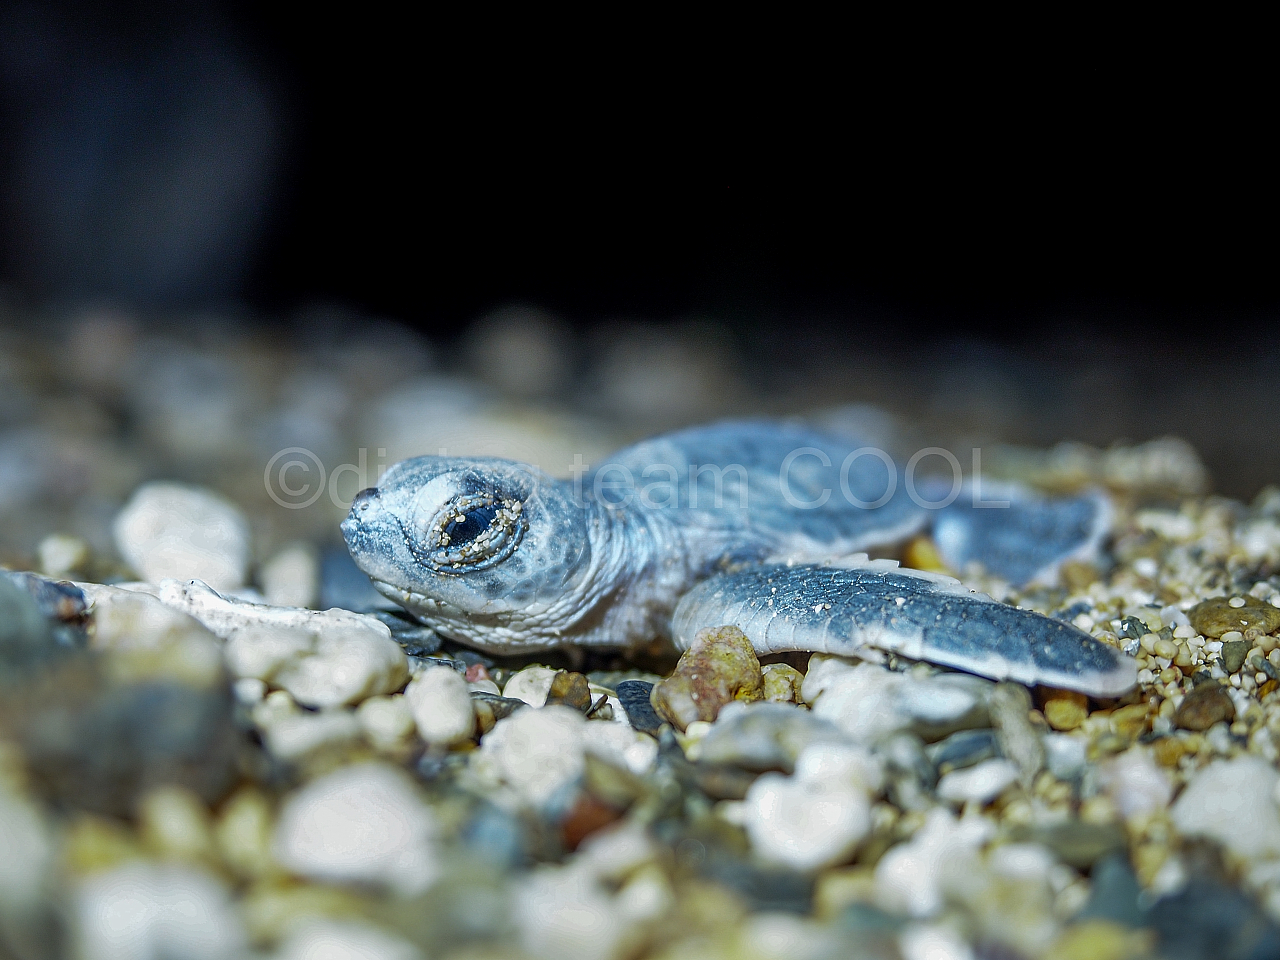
(1066, 712)
(173, 822)
(1101, 940)
(1166, 648)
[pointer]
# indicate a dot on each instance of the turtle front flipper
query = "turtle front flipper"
(1020, 536)
(849, 610)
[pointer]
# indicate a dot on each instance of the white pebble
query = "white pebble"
(249, 690)
(1135, 783)
(484, 686)
(1236, 602)
(139, 911)
(537, 753)
(292, 577)
(1234, 803)
(387, 722)
(170, 530)
(325, 659)
(1066, 755)
(909, 878)
(293, 736)
(441, 706)
(320, 939)
(532, 684)
(868, 702)
(621, 746)
(980, 784)
(1146, 567)
(60, 554)
(1232, 636)
(816, 817)
(365, 823)
(934, 941)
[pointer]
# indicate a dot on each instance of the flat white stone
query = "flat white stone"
(171, 530)
(1234, 803)
(532, 684)
(324, 658)
(140, 626)
(981, 783)
(1135, 783)
(441, 706)
(364, 823)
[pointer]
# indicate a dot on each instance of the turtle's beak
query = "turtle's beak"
(363, 518)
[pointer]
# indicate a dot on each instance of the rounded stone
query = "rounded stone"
(441, 705)
(1204, 706)
(1216, 616)
(719, 667)
(183, 532)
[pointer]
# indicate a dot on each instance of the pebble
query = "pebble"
(441, 706)
(322, 939)
(141, 910)
(1217, 616)
(781, 683)
(868, 702)
(101, 746)
(364, 823)
(1208, 921)
(1136, 784)
(149, 640)
(1065, 709)
(909, 877)
(1206, 705)
(26, 639)
(1009, 705)
(1065, 756)
(297, 735)
(816, 817)
(170, 530)
(243, 834)
(719, 667)
(490, 708)
(292, 577)
(979, 784)
(634, 696)
(764, 736)
(174, 823)
(60, 555)
(30, 851)
(571, 689)
(1233, 802)
(324, 659)
(962, 749)
(537, 753)
(1115, 894)
(388, 722)
(532, 685)
(1233, 654)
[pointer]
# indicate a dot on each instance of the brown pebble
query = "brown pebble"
(922, 554)
(718, 668)
(587, 815)
(1204, 706)
(1065, 709)
(1216, 616)
(571, 689)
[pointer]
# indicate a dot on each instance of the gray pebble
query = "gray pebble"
(634, 697)
(762, 736)
(963, 749)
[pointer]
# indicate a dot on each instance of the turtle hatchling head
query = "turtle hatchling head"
(484, 550)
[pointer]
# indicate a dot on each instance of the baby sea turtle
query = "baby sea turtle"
(753, 523)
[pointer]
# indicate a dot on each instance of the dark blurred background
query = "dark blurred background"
(1093, 263)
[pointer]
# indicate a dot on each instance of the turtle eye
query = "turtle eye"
(473, 524)
(472, 529)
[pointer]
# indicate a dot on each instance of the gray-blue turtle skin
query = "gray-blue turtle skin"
(500, 556)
